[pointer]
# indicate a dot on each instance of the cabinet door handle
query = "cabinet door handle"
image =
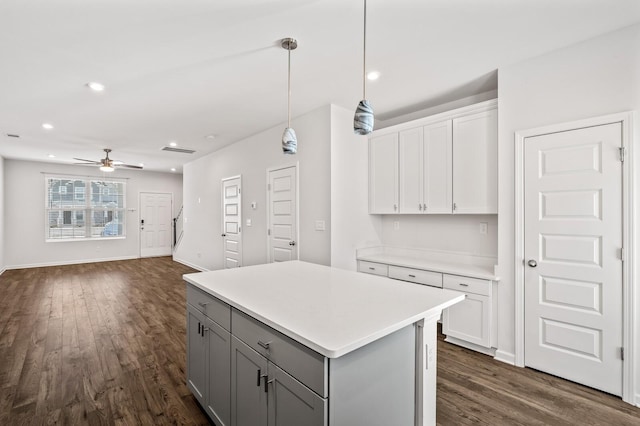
(395, 207)
(264, 345)
(419, 206)
(259, 377)
(424, 207)
(203, 304)
(411, 276)
(198, 328)
(455, 206)
(371, 268)
(463, 285)
(266, 384)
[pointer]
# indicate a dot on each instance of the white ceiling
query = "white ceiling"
(179, 70)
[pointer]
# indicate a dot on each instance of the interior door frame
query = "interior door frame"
(268, 203)
(140, 218)
(629, 286)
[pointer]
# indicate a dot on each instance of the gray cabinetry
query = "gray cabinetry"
(248, 385)
(196, 354)
(208, 354)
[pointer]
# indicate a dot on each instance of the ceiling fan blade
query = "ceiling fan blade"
(88, 161)
(129, 166)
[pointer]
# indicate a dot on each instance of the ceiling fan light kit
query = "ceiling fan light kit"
(289, 139)
(363, 118)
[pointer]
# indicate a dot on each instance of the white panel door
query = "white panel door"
(383, 174)
(232, 222)
(283, 215)
(437, 178)
(155, 224)
(573, 267)
(475, 163)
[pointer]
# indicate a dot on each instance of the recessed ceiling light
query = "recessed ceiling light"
(373, 75)
(52, 156)
(173, 144)
(210, 136)
(95, 86)
(47, 126)
(173, 169)
(141, 164)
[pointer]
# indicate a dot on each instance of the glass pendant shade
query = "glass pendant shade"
(289, 141)
(363, 119)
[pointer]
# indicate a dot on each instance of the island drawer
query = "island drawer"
(212, 307)
(373, 268)
(468, 285)
(416, 276)
(306, 365)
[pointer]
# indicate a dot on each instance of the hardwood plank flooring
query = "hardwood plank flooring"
(104, 344)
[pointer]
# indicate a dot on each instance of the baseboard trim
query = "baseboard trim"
(506, 357)
(637, 401)
(190, 265)
(472, 346)
(2, 270)
(70, 262)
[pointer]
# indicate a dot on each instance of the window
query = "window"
(80, 209)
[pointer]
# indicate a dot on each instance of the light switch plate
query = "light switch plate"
(320, 225)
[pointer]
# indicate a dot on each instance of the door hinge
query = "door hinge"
(623, 151)
(239, 229)
(268, 187)
(622, 253)
(268, 231)
(622, 354)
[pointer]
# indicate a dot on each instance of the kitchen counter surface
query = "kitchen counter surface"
(330, 310)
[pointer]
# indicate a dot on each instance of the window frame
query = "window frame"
(83, 210)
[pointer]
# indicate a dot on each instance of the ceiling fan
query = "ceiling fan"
(107, 164)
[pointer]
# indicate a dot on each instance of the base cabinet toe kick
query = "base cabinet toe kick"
(245, 373)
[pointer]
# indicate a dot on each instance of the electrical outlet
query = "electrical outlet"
(484, 226)
(320, 225)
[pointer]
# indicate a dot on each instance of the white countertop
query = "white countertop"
(332, 311)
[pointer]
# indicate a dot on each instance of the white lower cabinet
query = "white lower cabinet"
(471, 319)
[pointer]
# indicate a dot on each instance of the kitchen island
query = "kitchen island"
(298, 343)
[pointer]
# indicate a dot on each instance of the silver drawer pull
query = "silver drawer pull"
(203, 304)
(463, 284)
(263, 344)
(371, 268)
(411, 276)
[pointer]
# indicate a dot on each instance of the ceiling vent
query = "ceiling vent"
(181, 150)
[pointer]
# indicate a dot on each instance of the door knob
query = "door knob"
(532, 263)
(224, 235)
(292, 243)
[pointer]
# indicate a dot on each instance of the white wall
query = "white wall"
(451, 233)
(201, 245)
(2, 239)
(24, 199)
(352, 225)
(596, 77)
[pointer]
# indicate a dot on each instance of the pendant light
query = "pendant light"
(363, 119)
(289, 140)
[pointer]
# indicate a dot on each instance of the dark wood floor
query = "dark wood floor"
(105, 344)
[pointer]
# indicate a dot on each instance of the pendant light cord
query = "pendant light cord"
(364, 55)
(289, 90)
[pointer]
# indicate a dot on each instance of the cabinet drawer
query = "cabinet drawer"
(468, 285)
(304, 364)
(373, 268)
(214, 308)
(416, 276)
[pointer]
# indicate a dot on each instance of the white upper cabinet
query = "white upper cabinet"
(383, 174)
(438, 165)
(425, 169)
(475, 158)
